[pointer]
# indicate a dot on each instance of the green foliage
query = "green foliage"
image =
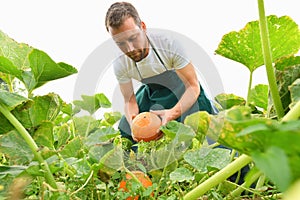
(65, 156)
(245, 46)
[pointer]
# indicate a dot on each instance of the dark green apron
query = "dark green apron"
(163, 91)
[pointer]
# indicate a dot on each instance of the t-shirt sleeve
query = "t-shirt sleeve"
(179, 58)
(120, 71)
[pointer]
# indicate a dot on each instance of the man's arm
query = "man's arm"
(131, 108)
(192, 90)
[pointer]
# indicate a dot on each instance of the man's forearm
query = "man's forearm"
(186, 101)
(131, 109)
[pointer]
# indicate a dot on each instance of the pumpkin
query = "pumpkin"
(145, 126)
(141, 176)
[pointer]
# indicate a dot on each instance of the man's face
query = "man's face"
(131, 39)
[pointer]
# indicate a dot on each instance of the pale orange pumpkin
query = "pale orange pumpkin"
(145, 126)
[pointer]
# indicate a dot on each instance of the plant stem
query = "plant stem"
(217, 178)
(249, 88)
(268, 60)
(31, 143)
(293, 114)
(237, 192)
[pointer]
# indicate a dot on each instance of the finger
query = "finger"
(133, 116)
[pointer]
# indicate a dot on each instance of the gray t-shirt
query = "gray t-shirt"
(169, 50)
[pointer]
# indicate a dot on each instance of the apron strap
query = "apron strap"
(157, 55)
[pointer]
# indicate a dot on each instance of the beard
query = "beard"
(138, 54)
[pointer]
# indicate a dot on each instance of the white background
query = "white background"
(69, 30)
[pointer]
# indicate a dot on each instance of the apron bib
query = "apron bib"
(160, 92)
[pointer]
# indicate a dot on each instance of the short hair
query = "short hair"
(120, 11)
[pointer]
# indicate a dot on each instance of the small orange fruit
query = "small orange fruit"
(143, 178)
(145, 126)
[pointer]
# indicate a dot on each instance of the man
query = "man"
(170, 86)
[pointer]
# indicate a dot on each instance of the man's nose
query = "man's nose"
(129, 46)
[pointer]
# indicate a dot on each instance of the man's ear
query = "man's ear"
(143, 26)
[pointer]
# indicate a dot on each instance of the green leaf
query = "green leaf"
(45, 69)
(72, 149)
(295, 92)
(205, 159)
(112, 117)
(288, 61)
(181, 174)
(96, 152)
(112, 161)
(13, 170)
(16, 53)
(259, 96)
(11, 100)
(285, 78)
(103, 100)
(101, 135)
(178, 132)
(15, 148)
(92, 103)
(199, 122)
(41, 108)
(229, 100)
(63, 135)
(274, 163)
(7, 67)
(245, 46)
(43, 136)
(85, 124)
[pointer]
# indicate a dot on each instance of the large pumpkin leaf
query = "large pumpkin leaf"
(245, 46)
(32, 66)
(11, 100)
(199, 122)
(261, 138)
(14, 52)
(45, 69)
(41, 108)
(274, 156)
(229, 100)
(205, 159)
(15, 148)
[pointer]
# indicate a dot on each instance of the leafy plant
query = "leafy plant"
(50, 152)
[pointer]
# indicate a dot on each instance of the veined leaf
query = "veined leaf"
(259, 96)
(266, 161)
(72, 149)
(245, 46)
(285, 78)
(295, 92)
(7, 67)
(16, 149)
(101, 135)
(85, 124)
(92, 103)
(16, 53)
(205, 159)
(181, 174)
(199, 121)
(289, 61)
(112, 161)
(43, 136)
(11, 100)
(229, 100)
(45, 69)
(41, 108)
